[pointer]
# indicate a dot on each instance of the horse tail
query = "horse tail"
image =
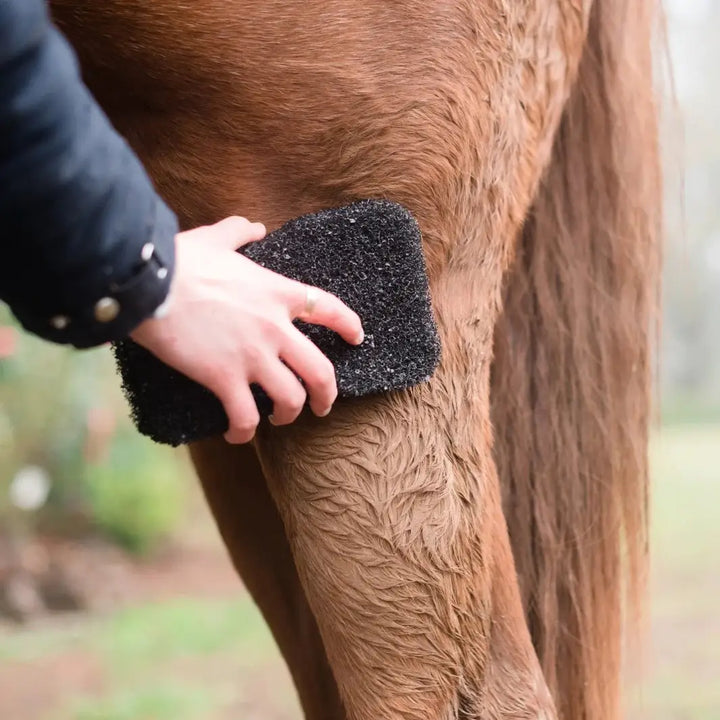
(572, 368)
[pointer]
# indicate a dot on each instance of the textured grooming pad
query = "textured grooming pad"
(369, 254)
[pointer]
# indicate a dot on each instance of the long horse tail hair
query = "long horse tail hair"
(571, 382)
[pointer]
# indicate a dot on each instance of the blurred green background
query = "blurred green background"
(117, 601)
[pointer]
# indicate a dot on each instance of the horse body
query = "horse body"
(374, 540)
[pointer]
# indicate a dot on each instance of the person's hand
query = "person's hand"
(229, 323)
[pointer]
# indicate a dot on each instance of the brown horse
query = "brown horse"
(379, 542)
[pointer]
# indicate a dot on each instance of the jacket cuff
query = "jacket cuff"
(124, 305)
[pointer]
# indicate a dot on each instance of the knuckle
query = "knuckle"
(221, 387)
(267, 322)
(323, 379)
(273, 327)
(296, 405)
(293, 403)
(294, 296)
(223, 376)
(246, 427)
(243, 417)
(238, 221)
(337, 316)
(240, 434)
(249, 419)
(209, 376)
(241, 437)
(329, 371)
(246, 434)
(254, 355)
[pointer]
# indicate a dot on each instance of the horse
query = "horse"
(462, 550)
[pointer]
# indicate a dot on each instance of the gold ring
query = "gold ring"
(311, 298)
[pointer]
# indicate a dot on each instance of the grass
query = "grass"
(185, 659)
(192, 659)
(683, 679)
(148, 701)
(146, 636)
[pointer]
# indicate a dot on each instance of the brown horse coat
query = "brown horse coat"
(374, 540)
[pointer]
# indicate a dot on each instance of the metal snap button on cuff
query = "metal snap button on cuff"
(106, 309)
(147, 251)
(60, 322)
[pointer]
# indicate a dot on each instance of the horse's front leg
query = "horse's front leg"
(254, 535)
(392, 509)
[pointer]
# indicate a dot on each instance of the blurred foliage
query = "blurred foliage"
(62, 411)
(134, 496)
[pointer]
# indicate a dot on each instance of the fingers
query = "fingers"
(242, 413)
(318, 307)
(314, 368)
(234, 232)
(285, 390)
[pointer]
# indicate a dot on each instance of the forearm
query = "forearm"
(76, 207)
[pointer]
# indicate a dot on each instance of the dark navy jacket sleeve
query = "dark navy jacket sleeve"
(86, 244)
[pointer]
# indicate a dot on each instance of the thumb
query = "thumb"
(234, 232)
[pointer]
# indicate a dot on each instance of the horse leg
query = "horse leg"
(251, 528)
(445, 572)
(391, 504)
(393, 513)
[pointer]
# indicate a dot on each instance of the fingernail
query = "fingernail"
(271, 418)
(326, 412)
(359, 339)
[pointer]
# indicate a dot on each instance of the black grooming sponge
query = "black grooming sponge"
(369, 254)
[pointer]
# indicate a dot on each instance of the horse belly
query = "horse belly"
(273, 109)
